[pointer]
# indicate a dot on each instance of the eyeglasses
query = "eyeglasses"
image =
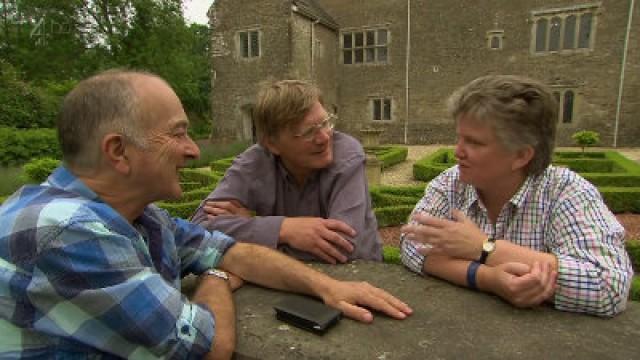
(327, 124)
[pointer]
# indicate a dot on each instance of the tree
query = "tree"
(586, 138)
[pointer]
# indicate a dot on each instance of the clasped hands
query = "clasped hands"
(327, 239)
(520, 283)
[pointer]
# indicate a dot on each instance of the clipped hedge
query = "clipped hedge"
(393, 215)
(634, 294)
(432, 165)
(222, 165)
(389, 155)
(20, 146)
(181, 209)
(633, 248)
(391, 255)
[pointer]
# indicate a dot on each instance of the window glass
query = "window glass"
(584, 38)
(347, 41)
(347, 57)
(255, 44)
(371, 38)
(567, 115)
(358, 56)
(382, 55)
(387, 109)
(569, 32)
(382, 37)
(554, 34)
(376, 110)
(359, 39)
(370, 54)
(541, 35)
(495, 42)
(244, 44)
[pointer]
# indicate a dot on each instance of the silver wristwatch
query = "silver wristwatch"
(217, 273)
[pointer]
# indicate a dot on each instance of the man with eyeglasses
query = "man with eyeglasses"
(302, 188)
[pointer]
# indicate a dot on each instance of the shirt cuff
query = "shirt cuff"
(195, 328)
(267, 230)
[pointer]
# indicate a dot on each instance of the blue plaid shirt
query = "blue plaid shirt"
(78, 280)
(556, 212)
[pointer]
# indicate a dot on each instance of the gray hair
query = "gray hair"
(522, 112)
(104, 103)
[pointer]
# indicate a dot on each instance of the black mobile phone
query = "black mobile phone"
(307, 314)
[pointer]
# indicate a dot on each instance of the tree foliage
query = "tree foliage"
(586, 138)
(52, 44)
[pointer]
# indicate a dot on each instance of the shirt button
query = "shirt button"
(185, 329)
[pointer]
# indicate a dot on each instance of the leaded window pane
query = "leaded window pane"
(359, 39)
(358, 56)
(377, 110)
(347, 41)
(382, 54)
(541, 35)
(371, 38)
(347, 54)
(382, 37)
(244, 44)
(370, 54)
(584, 38)
(554, 34)
(387, 109)
(567, 115)
(569, 33)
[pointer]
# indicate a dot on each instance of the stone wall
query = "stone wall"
(448, 48)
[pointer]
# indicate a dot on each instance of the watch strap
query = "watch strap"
(472, 271)
(217, 273)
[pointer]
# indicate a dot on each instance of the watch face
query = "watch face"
(489, 246)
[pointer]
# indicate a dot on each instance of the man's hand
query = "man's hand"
(522, 285)
(458, 239)
(323, 238)
(228, 207)
(349, 297)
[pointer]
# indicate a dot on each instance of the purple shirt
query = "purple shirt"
(259, 181)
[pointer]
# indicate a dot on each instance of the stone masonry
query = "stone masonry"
(447, 46)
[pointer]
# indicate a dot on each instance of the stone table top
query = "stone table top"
(448, 322)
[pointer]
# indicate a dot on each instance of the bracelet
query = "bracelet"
(471, 275)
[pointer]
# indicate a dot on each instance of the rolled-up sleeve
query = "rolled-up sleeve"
(96, 288)
(594, 270)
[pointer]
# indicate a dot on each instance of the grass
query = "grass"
(11, 178)
(210, 152)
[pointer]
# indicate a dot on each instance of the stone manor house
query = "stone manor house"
(391, 64)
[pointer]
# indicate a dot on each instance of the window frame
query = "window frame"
(250, 49)
(361, 48)
(382, 101)
(542, 24)
(495, 34)
(561, 94)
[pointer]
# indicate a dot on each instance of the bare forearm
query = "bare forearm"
(508, 252)
(270, 268)
(216, 295)
(450, 269)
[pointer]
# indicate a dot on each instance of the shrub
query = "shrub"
(634, 294)
(19, 146)
(222, 165)
(182, 209)
(389, 155)
(391, 255)
(633, 248)
(23, 105)
(393, 215)
(38, 170)
(432, 165)
(586, 138)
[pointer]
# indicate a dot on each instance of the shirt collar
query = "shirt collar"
(64, 179)
(471, 197)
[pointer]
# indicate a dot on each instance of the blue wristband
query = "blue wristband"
(471, 275)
